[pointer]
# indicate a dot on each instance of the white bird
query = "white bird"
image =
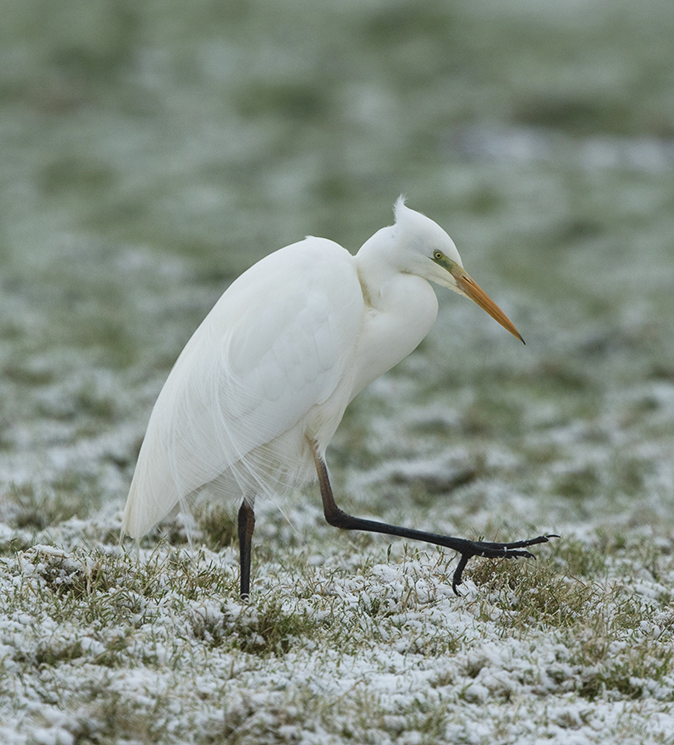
(257, 393)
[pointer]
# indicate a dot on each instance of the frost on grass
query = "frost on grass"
(150, 154)
(342, 641)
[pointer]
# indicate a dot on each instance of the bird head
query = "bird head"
(431, 253)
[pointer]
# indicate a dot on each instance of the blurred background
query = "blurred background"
(150, 152)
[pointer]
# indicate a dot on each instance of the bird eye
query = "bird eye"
(437, 255)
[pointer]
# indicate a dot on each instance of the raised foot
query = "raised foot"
(495, 551)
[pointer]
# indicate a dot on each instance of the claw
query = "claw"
(496, 551)
(456, 579)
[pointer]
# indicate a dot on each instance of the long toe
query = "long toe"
(495, 551)
(457, 578)
(516, 544)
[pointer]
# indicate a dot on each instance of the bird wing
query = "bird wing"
(277, 342)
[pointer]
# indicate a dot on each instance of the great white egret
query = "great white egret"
(257, 393)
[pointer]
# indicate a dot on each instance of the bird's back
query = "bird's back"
(274, 348)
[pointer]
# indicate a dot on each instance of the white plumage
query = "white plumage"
(263, 368)
(259, 390)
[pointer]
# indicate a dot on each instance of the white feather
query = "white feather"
(271, 350)
(280, 356)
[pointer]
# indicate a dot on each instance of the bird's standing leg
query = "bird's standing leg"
(246, 527)
(340, 519)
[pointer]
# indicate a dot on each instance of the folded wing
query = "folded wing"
(276, 344)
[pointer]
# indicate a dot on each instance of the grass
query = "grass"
(151, 155)
(569, 627)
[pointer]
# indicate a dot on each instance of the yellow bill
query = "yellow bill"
(472, 290)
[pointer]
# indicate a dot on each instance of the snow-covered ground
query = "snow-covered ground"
(149, 154)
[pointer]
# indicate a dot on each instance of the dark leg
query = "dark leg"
(246, 527)
(466, 548)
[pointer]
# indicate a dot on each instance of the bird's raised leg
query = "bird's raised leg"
(246, 527)
(340, 519)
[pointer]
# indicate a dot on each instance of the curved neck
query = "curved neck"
(400, 309)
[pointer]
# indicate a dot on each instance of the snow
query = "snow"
(148, 158)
